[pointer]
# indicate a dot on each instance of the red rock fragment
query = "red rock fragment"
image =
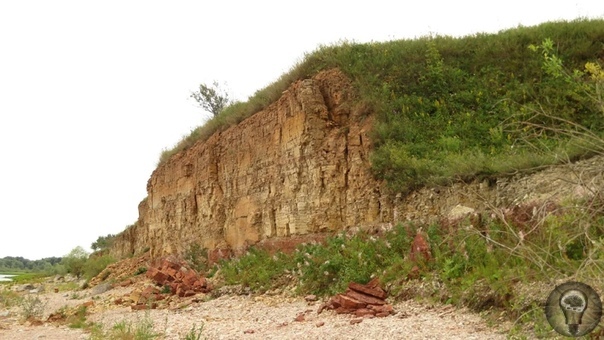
(420, 249)
(363, 311)
(382, 309)
(351, 302)
(366, 299)
(375, 291)
(158, 276)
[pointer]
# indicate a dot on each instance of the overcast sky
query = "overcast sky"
(91, 92)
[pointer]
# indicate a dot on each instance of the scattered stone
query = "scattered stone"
(101, 288)
(249, 331)
(300, 317)
(320, 324)
(355, 321)
(310, 298)
(144, 306)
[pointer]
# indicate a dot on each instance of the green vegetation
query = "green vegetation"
(28, 277)
(16, 265)
(78, 319)
(8, 298)
(197, 257)
(480, 265)
(103, 242)
(194, 333)
(32, 307)
(79, 263)
(448, 108)
(212, 98)
(125, 330)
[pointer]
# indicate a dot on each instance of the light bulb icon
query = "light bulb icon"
(573, 303)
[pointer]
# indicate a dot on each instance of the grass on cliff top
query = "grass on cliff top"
(448, 108)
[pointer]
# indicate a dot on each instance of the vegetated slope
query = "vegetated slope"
(428, 110)
(449, 108)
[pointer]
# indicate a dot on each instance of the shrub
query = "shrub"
(94, 265)
(75, 261)
(194, 333)
(8, 298)
(141, 330)
(197, 257)
(141, 270)
(32, 307)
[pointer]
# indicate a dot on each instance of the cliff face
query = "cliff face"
(298, 167)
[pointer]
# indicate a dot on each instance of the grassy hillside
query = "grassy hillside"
(450, 108)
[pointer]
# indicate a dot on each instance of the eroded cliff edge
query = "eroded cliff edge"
(301, 167)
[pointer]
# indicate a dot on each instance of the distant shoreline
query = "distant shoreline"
(6, 277)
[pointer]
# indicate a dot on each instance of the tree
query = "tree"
(75, 261)
(212, 98)
(103, 242)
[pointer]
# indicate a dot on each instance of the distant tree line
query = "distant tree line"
(18, 264)
(76, 262)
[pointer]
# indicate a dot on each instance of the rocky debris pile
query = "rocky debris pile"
(176, 276)
(361, 300)
(125, 272)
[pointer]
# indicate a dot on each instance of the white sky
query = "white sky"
(91, 92)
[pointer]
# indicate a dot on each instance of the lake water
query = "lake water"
(6, 277)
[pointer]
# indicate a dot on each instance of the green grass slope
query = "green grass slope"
(454, 108)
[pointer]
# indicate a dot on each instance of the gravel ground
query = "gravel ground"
(258, 317)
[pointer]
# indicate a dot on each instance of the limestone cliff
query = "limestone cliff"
(299, 167)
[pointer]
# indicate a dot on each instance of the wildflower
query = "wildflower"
(326, 273)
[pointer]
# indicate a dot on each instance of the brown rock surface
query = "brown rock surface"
(301, 167)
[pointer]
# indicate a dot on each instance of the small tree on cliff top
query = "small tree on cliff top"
(211, 98)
